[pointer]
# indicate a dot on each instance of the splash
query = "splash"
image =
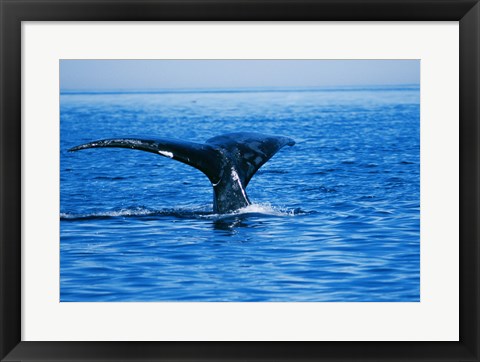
(108, 214)
(189, 212)
(266, 209)
(136, 212)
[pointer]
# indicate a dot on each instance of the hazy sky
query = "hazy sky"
(184, 74)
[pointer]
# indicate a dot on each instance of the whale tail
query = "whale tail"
(229, 161)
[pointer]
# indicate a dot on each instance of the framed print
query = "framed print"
(130, 131)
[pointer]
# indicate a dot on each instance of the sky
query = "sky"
(125, 75)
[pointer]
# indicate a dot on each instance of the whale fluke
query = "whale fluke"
(229, 161)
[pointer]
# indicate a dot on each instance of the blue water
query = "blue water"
(335, 218)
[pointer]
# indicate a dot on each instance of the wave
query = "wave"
(132, 212)
(264, 209)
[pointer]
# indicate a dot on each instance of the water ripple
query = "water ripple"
(336, 218)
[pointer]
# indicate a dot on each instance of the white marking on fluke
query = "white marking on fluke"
(166, 153)
(236, 178)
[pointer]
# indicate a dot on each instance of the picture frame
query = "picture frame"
(12, 348)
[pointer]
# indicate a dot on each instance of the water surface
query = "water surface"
(335, 218)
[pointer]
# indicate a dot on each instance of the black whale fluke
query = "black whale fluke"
(229, 161)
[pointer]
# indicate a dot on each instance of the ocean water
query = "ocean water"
(335, 218)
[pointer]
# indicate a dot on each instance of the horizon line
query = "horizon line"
(252, 89)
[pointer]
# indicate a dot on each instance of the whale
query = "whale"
(228, 160)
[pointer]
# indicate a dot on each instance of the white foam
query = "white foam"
(166, 153)
(115, 213)
(265, 208)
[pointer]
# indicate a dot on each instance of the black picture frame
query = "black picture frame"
(13, 12)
